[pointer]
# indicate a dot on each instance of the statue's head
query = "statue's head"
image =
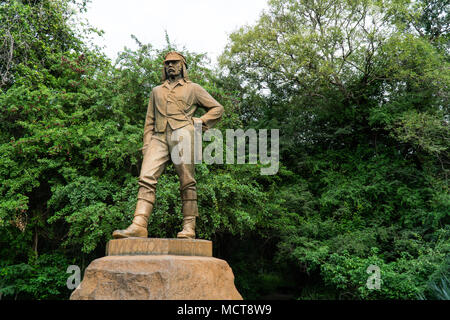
(174, 65)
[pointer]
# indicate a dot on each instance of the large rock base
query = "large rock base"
(157, 277)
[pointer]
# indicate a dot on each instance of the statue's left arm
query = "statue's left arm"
(214, 109)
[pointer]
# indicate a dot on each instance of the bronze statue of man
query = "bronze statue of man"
(171, 107)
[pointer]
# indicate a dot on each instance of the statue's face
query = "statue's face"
(173, 67)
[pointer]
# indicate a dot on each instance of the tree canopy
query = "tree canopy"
(359, 90)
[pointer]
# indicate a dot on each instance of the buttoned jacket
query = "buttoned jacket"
(175, 105)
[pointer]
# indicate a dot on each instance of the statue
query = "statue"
(171, 107)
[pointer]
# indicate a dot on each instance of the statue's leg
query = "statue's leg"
(188, 192)
(153, 164)
(188, 188)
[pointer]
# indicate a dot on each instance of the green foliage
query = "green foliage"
(440, 290)
(362, 109)
(358, 89)
(44, 278)
(70, 143)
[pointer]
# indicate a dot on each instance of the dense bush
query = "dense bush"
(358, 89)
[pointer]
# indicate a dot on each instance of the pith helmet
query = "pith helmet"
(174, 56)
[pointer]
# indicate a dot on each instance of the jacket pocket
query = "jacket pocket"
(183, 105)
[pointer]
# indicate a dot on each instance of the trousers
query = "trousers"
(157, 156)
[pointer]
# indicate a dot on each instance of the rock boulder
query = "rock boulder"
(157, 277)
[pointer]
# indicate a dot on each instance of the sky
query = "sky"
(202, 26)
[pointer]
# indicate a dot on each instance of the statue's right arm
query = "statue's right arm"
(149, 124)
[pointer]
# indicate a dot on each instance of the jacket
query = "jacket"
(175, 107)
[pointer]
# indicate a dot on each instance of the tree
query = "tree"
(71, 142)
(361, 100)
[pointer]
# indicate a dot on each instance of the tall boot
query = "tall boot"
(190, 212)
(188, 228)
(138, 228)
